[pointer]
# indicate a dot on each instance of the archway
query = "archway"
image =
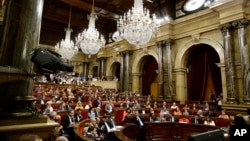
(95, 72)
(203, 75)
(148, 68)
(115, 69)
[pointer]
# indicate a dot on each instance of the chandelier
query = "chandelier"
(66, 47)
(136, 26)
(90, 40)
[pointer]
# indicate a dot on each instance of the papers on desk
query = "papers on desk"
(116, 128)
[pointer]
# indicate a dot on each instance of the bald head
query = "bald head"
(61, 138)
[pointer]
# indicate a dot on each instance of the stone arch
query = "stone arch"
(180, 65)
(138, 60)
(109, 69)
(136, 69)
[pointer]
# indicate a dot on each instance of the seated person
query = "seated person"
(206, 107)
(196, 120)
(185, 107)
(177, 112)
(79, 105)
(155, 104)
(92, 134)
(68, 123)
(152, 116)
(164, 104)
(200, 113)
(91, 113)
(164, 111)
(194, 106)
(161, 118)
(148, 105)
(171, 118)
(223, 115)
(186, 113)
(78, 115)
(208, 121)
(174, 106)
(184, 119)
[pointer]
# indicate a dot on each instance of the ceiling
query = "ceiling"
(56, 16)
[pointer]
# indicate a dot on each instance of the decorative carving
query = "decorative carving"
(196, 37)
(145, 50)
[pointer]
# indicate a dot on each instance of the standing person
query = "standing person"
(140, 126)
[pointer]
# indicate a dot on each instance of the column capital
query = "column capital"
(240, 23)
(166, 42)
(225, 27)
(126, 52)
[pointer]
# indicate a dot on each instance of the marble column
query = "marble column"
(86, 69)
(241, 26)
(226, 30)
(101, 66)
(127, 67)
(122, 72)
(20, 34)
(160, 45)
(169, 91)
(98, 68)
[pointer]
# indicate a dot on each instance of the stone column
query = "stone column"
(127, 86)
(98, 68)
(20, 34)
(86, 69)
(230, 74)
(244, 56)
(168, 95)
(103, 64)
(160, 45)
(122, 72)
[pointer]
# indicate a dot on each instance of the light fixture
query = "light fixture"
(136, 26)
(90, 40)
(67, 47)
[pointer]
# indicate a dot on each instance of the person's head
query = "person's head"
(71, 113)
(92, 130)
(174, 104)
(79, 111)
(208, 118)
(137, 113)
(61, 138)
(79, 103)
(223, 112)
(30, 137)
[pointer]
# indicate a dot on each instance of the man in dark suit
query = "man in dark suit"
(171, 118)
(78, 115)
(99, 102)
(68, 124)
(196, 120)
(91, 133)
(111, 121)
(140, 126)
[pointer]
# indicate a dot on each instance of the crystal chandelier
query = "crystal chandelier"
(90, 40)
(136, 26)
(67, 47)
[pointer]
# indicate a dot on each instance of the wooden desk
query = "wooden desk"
(164, 131)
